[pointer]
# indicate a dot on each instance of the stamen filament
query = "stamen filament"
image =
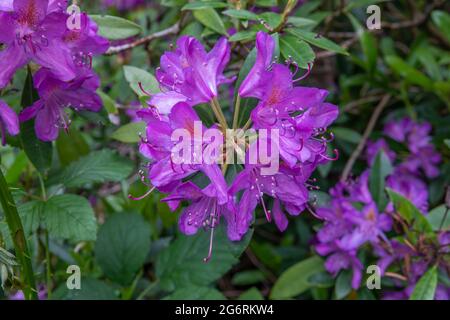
(143, 196)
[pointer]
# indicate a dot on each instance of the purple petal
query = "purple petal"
(46, 123)
(9, 118)
(278, 215)
(56, 56)
(251, 86)
(165, 101)
(11, 59)
(30, 12)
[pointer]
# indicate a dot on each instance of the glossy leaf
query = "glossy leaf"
(408, 211)
(210, 19)
(134, 76)
(197, 5)
(116, 28)
(317, 40)
(425, 288)
(129, 133)
(298, 50)
(381, 168)
(294, 280)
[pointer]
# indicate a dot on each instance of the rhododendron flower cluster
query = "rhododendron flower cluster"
(190, 76)
(352, 219)
(36, 31)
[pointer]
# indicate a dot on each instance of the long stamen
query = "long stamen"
(336, 155)
(260, 195)
(305, 75)
(211, 237)
(312, 212)
(143, 90)
(141, 197)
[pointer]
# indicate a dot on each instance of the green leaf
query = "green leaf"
(210, 19)
(71, 146)
(447, 143)
(245, 278)
(343, 284)
(241, 14)
(294, 280)
(251, 294)
(116, 28)
(381, 168)
(410, 74)
(134, 76)
(370, 50)
(39, 152)
(425, 288)
(71, 217)
(98, 166)
(108, 103)
(271, 19)
(318, 41)
(442, 20)
(91, 289)
(122, 246)
(408, 211)
(298, 50)
(196, 293)
(129, 133)
(299, 22)
(439, 218)
(181, 264)
(197, 5)
(347, 134)
(243, 35)
(173, 3)
(17, 168)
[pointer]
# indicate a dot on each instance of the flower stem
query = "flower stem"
(236, 111)
(219, 114)
(247, 124)
(17, 234)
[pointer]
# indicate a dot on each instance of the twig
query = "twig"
(290, 5)
(350, 106)
(373, 120)
(395, 276)
(160, 34)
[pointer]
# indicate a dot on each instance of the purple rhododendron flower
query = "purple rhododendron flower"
(158, 147)
(85, 41)
(352, 218)
(416, 137)
(32, 31)
(55, 96)
(190, 74)
(205, 210)
(282, 186)
(9, 122)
